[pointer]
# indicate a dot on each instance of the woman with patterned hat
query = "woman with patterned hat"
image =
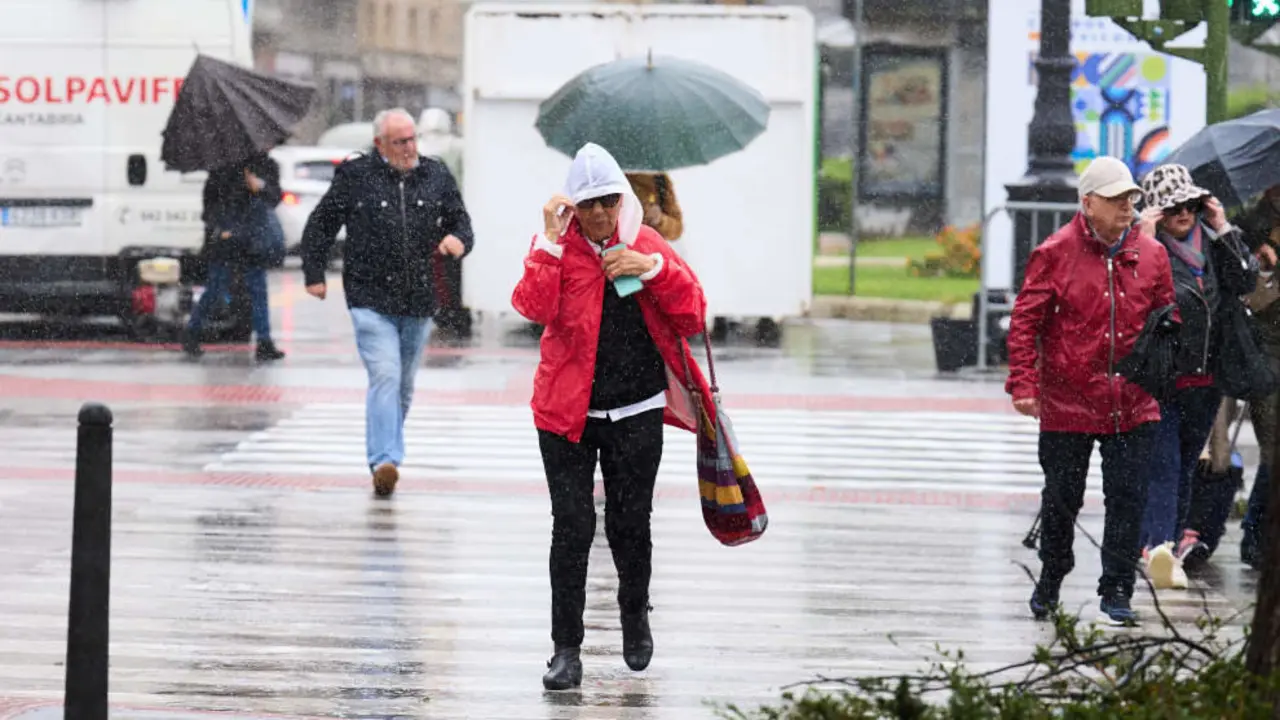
(1205, 254)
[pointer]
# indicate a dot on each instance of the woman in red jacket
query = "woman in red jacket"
(612, 371)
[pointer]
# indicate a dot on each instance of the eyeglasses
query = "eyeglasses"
(605, 201)
(404, 141)
(1194, 206)
(1120, 200)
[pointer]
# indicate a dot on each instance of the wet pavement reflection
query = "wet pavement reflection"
(254, 573)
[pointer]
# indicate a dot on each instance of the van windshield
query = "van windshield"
(321, 170)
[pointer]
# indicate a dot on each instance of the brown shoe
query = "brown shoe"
(385, 477)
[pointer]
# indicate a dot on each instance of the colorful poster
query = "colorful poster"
(1127, 101)
(904, 124)
(1121, 105)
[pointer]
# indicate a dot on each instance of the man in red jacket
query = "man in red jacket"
(1088, 291)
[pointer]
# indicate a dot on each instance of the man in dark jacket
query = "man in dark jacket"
(239, 201)
(1261, 226)
(402, 212)
(1088, 291)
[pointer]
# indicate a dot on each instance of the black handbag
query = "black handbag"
(1241, 367)
(261, 234)
(1150, 365)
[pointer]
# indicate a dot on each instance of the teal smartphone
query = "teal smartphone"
(627, 284)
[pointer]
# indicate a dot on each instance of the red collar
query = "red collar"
(574, 233)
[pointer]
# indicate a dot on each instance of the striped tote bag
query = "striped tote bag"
(732, 507)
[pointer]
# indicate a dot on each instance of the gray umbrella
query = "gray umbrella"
(1236, 159)
(225, 114)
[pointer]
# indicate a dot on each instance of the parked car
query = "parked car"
(305, 175)
(348, 136)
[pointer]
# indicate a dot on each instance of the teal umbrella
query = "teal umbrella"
(654, 114)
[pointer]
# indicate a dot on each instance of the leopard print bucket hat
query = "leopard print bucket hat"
(1170, 185)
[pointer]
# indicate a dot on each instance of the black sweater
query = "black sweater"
(629, 368)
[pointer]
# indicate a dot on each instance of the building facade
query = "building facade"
(920, 127)
(363, 55)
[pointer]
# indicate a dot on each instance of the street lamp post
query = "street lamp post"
(1051, 177)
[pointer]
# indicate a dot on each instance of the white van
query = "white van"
(86, 87)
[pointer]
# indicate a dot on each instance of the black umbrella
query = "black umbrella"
(225, 113)
(1236, 159)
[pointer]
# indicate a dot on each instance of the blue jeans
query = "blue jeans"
(1185, 422)
(391, 349)
(217, 289)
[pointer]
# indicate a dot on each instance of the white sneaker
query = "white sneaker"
(1179, 577)
(1160, 566)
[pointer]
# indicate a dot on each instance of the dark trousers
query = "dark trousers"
(1255, 518)
(1065, 460)
(629, 452)
(1185, 422)
(1212, 498)
(451, 319)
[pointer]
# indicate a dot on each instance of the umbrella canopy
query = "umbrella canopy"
(1236, 159)
(225, 113)
(654, 114)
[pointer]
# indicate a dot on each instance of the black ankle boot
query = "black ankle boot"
(267, 352)
(565, 670)
(637, 640)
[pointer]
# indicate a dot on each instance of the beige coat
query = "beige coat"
(670, 222)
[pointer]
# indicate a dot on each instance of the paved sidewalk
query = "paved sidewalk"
(254, 573)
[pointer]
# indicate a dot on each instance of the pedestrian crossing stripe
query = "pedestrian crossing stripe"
(856, 450)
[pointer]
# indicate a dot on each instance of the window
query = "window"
(413, 28)
(368, 22)
(321, 170)
(433, 31)
(451, 20)
(388, 39)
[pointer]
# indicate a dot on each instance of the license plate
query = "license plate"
(41, 217)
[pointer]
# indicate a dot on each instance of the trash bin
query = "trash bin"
(955, 343)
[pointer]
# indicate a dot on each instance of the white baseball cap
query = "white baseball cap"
(1107, 177)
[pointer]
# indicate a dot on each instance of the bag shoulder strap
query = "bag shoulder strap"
(711, 365)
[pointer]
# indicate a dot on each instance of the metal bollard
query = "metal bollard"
(87, 622)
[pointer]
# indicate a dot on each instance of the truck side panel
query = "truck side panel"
(86, 87)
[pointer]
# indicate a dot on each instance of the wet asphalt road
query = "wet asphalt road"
(254, 573)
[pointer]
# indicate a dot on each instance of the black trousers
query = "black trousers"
(629, 452)
(1125, 464)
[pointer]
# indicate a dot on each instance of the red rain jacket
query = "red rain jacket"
(563, 289)
(1085, 310)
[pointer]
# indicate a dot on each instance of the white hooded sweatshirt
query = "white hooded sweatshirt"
(594, 173)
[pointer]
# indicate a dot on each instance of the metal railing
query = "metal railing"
(1054, 216)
